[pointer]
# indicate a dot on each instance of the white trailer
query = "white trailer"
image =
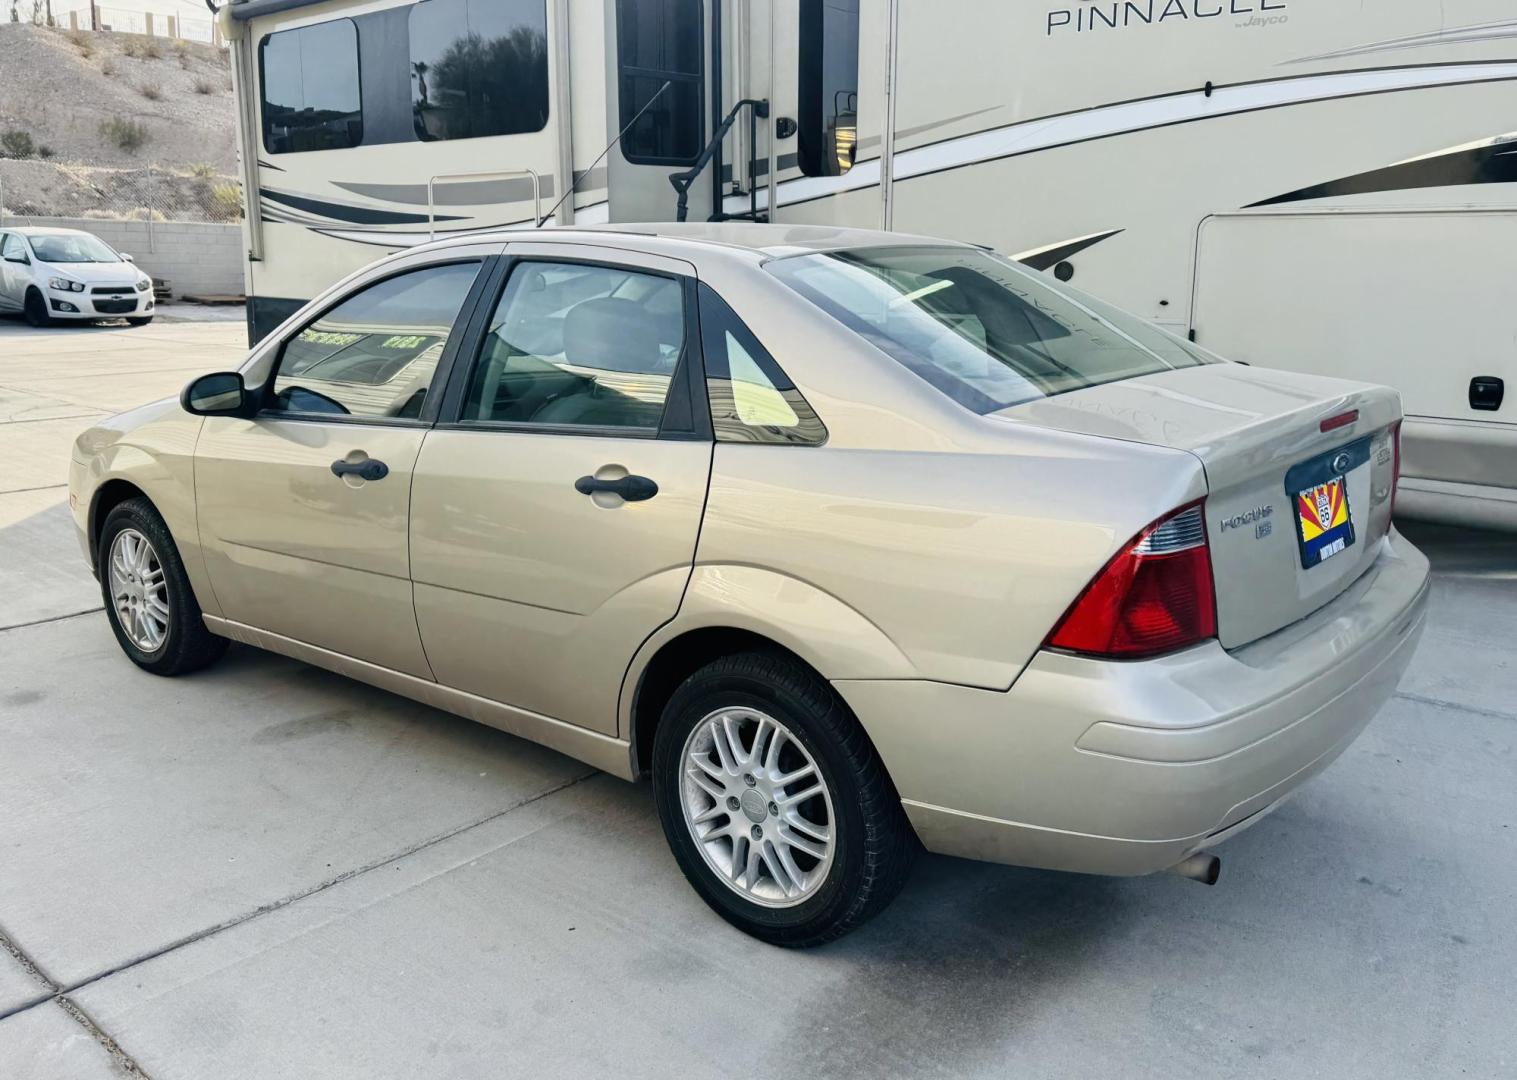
(1308, 184)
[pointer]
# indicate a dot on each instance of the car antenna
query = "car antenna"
(574, 180)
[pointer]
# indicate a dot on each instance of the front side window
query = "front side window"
(571, 344)
(478, 67)
(658, 42)
(828, 113)
(374, 354)
(309, 81)
(65, 248)
(981, 329)
(751, 398)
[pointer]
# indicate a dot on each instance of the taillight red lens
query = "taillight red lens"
(1153, 597)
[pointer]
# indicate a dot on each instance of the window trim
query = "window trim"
(462, 323)
(548, 116)
(687, 386)
(624, 70)
(263, 96)
(702, 290)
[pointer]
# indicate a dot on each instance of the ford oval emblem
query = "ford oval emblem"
(1341, 462)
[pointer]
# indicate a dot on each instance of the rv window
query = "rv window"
(659, 41)
(827, 115)
(309, 79)
(478, 67)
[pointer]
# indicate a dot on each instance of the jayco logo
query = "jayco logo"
(1109, 15)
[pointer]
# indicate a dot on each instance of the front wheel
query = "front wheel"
(147, 594)
(35, 309)
(775, 804)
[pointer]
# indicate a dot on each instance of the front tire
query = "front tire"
(775, 804)
(147, 594)
(35, 309)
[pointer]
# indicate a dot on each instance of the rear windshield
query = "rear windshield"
(983, 330)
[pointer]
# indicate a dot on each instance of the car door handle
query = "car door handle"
(631, 488)
(367, 469)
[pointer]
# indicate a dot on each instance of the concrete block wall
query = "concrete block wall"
(195, 257)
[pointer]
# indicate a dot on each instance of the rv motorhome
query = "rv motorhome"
(1318, 186)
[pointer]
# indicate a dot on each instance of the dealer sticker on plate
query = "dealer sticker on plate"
(1323, 521)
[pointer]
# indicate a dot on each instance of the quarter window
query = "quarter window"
(751, 399)
(579, 345)
(309, 79)
(478, 67)
(658, 42)
(12, 248)
(374, 354)
(827, 121)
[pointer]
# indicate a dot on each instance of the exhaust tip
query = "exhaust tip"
(1203, 866)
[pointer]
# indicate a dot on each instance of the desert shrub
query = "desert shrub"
(139, 47)
(151, 91)
(226, 201)
(44, 151)
(125, 134)
(204, 86)
(107, 67)
(80, 40)
(16, 143)
(203, 170)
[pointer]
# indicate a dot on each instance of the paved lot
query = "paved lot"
(267, 871)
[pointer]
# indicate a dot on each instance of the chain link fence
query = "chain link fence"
(52, 189)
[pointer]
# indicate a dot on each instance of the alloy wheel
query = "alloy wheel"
(139, 590)
(757, 806)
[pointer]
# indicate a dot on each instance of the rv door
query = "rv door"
(660, 65)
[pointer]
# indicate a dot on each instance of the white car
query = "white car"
(49, 274)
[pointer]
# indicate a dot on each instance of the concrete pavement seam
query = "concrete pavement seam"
(123, 1060)
(1439, 703)
(322, 886)
(52, 619)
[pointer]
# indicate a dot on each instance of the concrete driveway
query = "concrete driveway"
(267, 871)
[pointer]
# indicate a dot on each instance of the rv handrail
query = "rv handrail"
(758, 109)
(507, 174)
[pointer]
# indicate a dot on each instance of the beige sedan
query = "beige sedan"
(852, 542)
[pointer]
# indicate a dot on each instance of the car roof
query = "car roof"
(38, 230)
(760, 239)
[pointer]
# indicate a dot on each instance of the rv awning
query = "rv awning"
(243, 10)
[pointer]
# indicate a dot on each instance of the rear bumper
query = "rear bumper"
(1126, 768)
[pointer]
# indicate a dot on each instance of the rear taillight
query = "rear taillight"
(1153, 597)
(1395, 463)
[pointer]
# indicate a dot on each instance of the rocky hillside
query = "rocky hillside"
(121, 124)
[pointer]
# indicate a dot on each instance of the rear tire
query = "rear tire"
(148, 599)
(35, 309)
(833, 847)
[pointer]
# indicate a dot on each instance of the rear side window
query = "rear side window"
(582, 346)
(828, 113)
(478, 67)
(374, 354)
(309, 83)
(658, 42)
(752, 401)
(979, 328)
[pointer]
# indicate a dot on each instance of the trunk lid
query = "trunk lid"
(1260, 436)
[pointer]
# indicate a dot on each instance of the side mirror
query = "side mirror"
(125, 257)
(22, 259)
(218, 394)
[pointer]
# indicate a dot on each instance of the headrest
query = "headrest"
(612, 334)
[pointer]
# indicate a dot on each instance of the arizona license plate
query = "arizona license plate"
(1323, 521)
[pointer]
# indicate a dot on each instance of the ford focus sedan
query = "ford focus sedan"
(61, 274)
(852, 543)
